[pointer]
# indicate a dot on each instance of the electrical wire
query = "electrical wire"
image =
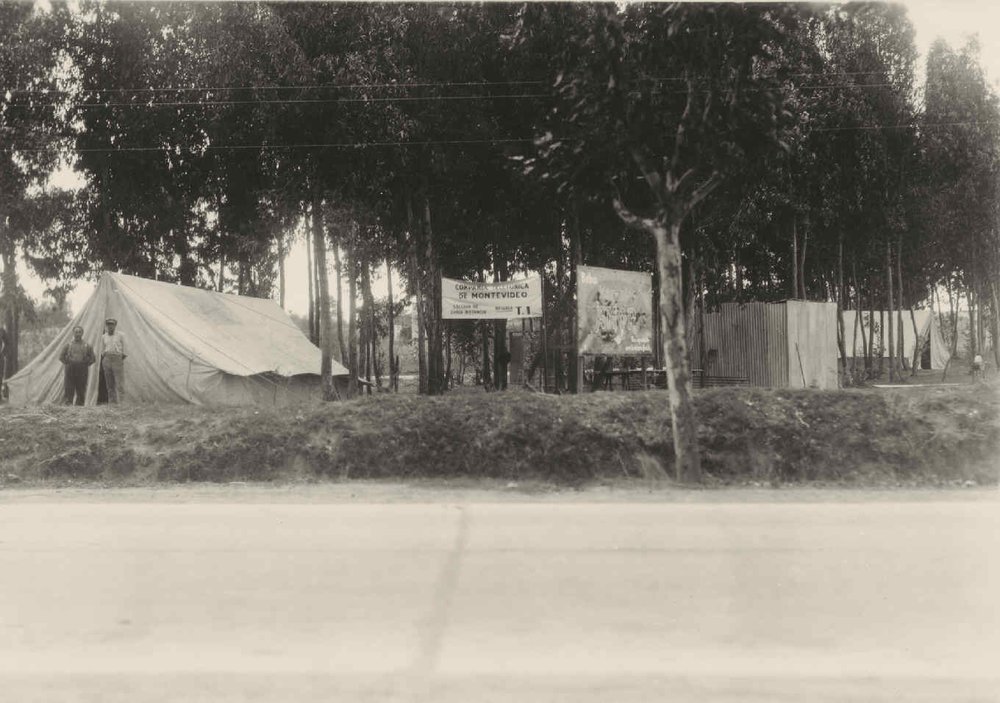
(416, 84)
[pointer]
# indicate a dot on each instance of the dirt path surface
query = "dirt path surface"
(403, 594)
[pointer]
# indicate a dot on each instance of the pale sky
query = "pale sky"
(952, 20)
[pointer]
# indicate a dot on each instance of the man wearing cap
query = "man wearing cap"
(77, 356)
(113, 361)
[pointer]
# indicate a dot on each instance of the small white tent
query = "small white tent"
(185, 344)
(927, 329)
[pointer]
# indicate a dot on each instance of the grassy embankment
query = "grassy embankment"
(915, 436)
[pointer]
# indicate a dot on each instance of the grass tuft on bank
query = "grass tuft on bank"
(913, 436)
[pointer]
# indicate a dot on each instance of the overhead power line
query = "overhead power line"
(159, 103)
(394, 84)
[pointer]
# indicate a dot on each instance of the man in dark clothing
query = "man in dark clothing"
(77, 356)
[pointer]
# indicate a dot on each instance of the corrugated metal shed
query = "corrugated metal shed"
(762, 343)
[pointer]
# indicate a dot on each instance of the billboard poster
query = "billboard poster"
(506, 300)
(615, 311)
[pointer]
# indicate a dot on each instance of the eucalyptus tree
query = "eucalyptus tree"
(135, 72)
(961, 180)
(32, 140)
(670, 94)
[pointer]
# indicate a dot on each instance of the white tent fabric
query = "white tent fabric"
(184, 345)
(927, 328)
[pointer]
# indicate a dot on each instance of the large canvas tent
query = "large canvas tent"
(185, 344)
(928, 330)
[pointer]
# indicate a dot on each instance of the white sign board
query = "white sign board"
(507, 300)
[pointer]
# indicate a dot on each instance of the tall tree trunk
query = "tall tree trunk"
(487, 374)
(432, 307)
(281, 272)
(892, 323)
(241, 282)
(338, 278)
(917, 344)
(418, 302)
(693, 275)
(576, 261)
(954, 327)
(319, 253)
(854, 335)
(858, 305)
(352, 318)
(560, 293)
(995, 321)
(500, 329)
(841, 334)
(682, 416)
(795, 256)
(393, 366)
(666, 232)
(973, 298)
(802, 260)
(313, 337)
(369, 300)
(11, 304)
(900, 344)
(447, 357)
(318, 273)
(953, 304)
(702, 353)
(881, 341)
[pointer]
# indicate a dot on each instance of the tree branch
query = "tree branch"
(702, 191)
(681, 135)
(631, 220)
(682, 182)
(649, 172)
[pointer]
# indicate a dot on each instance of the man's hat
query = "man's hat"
(111, 320)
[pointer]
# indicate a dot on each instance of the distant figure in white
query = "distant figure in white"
(977, 367)
(113, 361)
